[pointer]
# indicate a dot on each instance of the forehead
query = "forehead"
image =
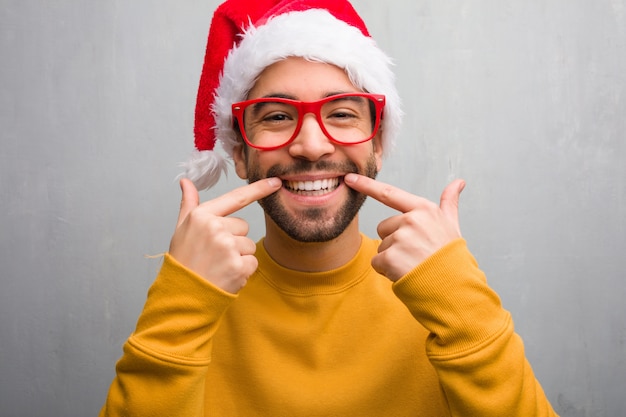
(302, 79)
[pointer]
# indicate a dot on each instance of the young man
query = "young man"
(316, 319)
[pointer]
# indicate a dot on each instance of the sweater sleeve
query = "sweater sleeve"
(163, 368)
(479, 358)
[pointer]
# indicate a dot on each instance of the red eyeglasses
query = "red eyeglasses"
(272, 122)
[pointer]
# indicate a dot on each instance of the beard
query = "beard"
(313, 224)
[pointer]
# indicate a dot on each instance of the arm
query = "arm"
(480, 361)
(479, 358)
(162, 371)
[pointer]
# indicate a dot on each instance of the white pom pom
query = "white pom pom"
(204, 168)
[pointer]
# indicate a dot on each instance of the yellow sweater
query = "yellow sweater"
(339, 343)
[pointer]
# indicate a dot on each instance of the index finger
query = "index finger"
(240, 197)
(389, 195)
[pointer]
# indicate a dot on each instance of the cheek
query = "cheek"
(264, 160)
(254, 164)
(366, 154)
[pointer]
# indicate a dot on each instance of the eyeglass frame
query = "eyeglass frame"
(303, 108)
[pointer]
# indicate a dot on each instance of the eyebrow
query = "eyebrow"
(280, 95)
(355, 99)
(290, 97)
(257, 107)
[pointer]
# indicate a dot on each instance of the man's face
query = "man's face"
(314, 205)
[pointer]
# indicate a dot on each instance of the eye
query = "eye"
(276, 117)
(347, 109)
(342, 114)
(271, 113)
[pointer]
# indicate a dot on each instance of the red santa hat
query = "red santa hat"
(246, 36)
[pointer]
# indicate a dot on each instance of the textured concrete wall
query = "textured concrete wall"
(526, 100)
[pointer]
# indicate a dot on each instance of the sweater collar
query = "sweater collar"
(311, 283)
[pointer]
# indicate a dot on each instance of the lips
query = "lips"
(312, 187)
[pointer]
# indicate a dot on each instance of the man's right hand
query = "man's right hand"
(215, 246)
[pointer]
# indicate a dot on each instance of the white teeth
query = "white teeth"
(327, 184)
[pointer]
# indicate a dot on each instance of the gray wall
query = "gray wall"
(526, 100)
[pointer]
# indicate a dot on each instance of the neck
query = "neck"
(311, 256)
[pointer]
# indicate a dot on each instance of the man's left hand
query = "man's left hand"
(421, 229)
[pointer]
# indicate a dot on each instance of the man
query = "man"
(316, 319)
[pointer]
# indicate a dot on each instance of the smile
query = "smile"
(313, 188)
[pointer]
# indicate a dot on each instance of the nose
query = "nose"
(311, 143)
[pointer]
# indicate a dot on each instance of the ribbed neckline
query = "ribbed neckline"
(333, 281)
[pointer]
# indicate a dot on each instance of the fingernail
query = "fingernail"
(351, 178)
(274, 182)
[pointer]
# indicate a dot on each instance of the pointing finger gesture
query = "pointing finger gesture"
(215, 246)
(421, 228)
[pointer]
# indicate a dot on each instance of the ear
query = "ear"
(240, 158)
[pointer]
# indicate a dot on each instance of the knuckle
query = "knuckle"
(211, 224)
(229, 247)
(242, 226)
(380, 261)
(194, 216)
(387, 192)
(413, 219)
(240, 197)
